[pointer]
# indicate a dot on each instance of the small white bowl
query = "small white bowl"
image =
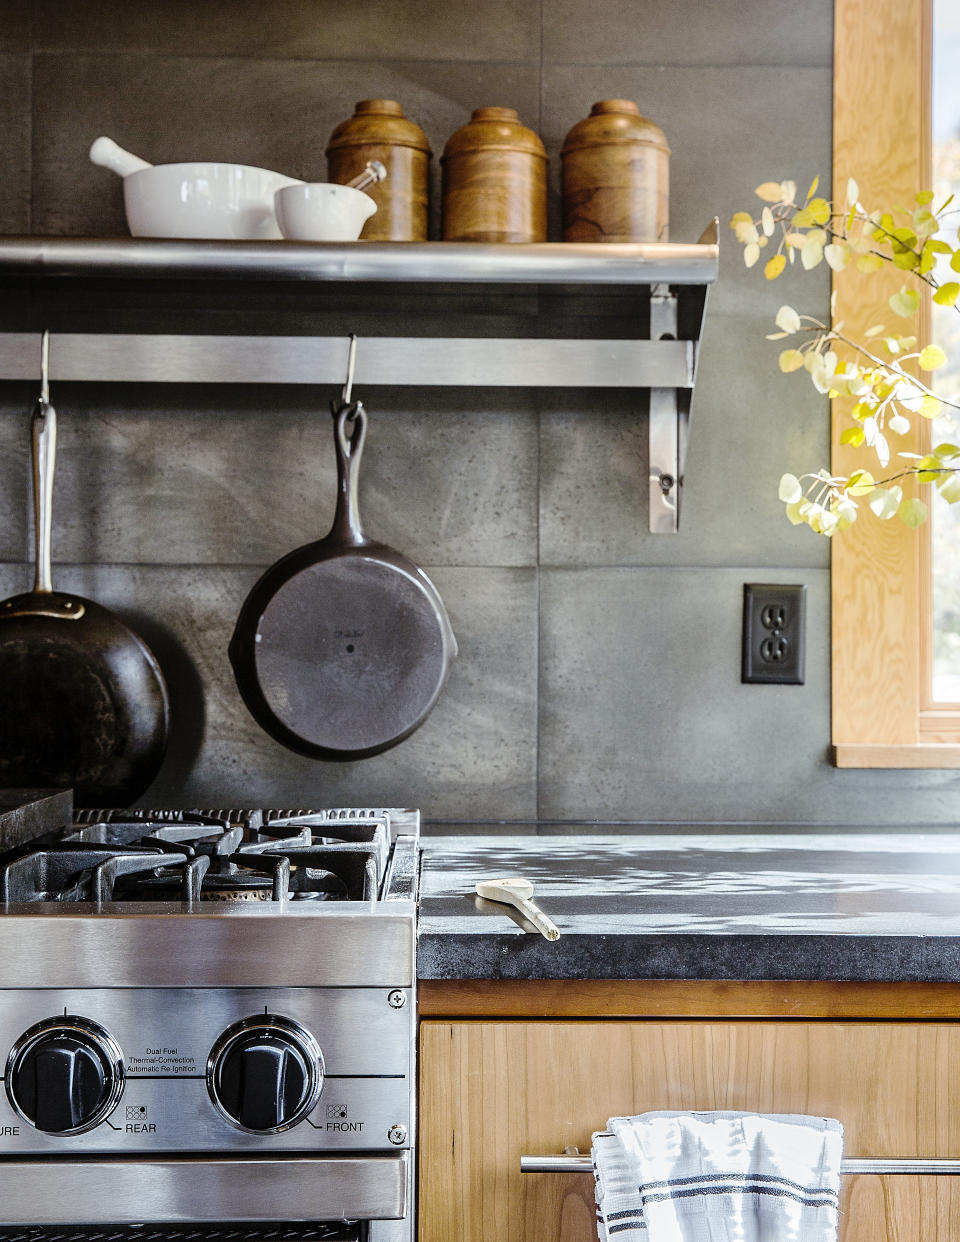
(207, 200)
(322, 211)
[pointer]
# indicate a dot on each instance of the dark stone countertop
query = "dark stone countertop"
(750, 904)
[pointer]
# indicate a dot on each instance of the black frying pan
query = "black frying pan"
(83, 702)
(342, 648)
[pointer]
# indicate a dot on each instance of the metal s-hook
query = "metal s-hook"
(43, 433)
(351, 364)
(45, 367)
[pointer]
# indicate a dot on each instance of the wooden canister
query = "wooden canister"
(616, 168)
(378, 130)
(494, 180)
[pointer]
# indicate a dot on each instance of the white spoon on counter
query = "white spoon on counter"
(518, 892)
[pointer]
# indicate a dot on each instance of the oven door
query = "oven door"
(302, 1197)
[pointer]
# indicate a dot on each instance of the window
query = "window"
(881, 575)
(941, 633)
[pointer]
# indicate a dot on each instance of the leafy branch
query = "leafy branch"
(886, 392)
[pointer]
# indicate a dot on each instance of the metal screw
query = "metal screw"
(397, 1134)
(666, 483)
(396, 999)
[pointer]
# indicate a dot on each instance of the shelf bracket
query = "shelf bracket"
(667, 426)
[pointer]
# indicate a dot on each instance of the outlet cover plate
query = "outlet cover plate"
(774, 633)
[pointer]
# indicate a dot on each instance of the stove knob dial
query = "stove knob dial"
(65, 1075)
(265, 1074)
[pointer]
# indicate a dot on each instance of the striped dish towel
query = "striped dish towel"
(718, 1177)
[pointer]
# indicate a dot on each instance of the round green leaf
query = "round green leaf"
(885, 502)
(791, 360)
(931, 357)
(912, 512)
(947, 294)
(905, 302)
(787, 319)
(948, 485)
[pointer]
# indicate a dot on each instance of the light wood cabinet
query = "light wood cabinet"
(494, 1090)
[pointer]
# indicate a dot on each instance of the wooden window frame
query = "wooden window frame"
(880, 571)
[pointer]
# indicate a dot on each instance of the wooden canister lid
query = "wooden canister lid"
(614, 121)
(366, 106)
(378, 121)
(494, 129)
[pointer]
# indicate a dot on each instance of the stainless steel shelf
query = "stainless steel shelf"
(638, 263)
(670, 280)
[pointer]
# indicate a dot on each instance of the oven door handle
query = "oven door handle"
(198, 1190)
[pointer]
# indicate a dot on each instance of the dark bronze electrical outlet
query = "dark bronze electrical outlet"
(774, 633)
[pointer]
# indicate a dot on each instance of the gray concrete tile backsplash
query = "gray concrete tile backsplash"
(745, 416)
(15, 91)
(643, 713)
(15, 26)
(661, 32)
(475, 755)
(645, 663)
(319, 30)
(197, 475)
(598, 675)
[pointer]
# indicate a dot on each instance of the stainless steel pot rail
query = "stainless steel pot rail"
(400, 360)
(577, 1163)
(672, 278)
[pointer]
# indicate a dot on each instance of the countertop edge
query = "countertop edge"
(830, 958)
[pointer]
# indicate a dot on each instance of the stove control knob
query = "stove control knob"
(265, 1074)
(65, 1075)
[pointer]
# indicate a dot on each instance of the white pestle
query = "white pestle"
(108, 154)
(374, 172)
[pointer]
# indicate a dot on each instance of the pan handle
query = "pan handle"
(43, 427)
(350, 431)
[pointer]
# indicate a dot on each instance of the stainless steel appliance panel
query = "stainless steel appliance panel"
(204, 1190)
(165, 945)
(352, 1114)
(165, 1036)
(168, 1032)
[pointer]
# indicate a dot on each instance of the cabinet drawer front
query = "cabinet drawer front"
(492, 1091)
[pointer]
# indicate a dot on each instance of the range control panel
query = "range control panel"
(133, 1070)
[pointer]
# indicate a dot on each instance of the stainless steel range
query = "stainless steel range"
(209, 1019)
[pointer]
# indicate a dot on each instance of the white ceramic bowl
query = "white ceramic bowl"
(322, 211)
(203, 200)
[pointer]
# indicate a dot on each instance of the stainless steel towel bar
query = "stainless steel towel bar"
(584, 1164)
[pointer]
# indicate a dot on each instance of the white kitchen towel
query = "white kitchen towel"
(718, 1177)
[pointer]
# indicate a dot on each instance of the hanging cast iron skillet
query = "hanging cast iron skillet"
(342, 648)
(83, 702)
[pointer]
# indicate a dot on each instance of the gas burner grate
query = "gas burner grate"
(189, 857)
